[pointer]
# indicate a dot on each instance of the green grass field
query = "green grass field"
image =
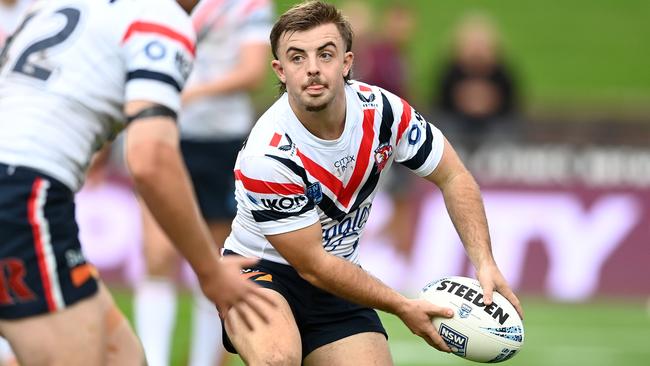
(600, 333)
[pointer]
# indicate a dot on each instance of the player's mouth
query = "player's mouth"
(315, 89)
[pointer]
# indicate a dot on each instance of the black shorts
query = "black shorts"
(42, 267)
(322, 318)
(210, 164)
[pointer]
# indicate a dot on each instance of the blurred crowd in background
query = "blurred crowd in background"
(470, 70)
(548, 108)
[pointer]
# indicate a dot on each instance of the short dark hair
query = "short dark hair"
(308, 15)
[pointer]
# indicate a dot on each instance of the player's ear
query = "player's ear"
(348, 59)
(279, 70)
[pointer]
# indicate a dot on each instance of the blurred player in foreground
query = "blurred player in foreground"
(304, 217)
(216, 116)
(73, 74)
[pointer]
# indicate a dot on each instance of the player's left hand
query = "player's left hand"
(492, 280)
(226, 288)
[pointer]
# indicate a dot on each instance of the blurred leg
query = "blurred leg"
(90, 332)
(356, 350)
(155, 296)
(207, 348)
(274, 344)
(7, 357)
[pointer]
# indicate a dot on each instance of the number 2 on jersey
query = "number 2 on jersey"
(23, 64)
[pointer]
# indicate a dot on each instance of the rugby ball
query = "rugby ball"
(476, 332)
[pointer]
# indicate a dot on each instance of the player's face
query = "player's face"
(313, 64)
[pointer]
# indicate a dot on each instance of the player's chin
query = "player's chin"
(315, 104)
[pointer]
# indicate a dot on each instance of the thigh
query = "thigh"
(360, 349)
(91, 332)
(274, 343)
(73, 336)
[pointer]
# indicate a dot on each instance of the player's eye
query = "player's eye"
(297, 58)
(326, 56)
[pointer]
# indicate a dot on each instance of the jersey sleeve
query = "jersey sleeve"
(275, 196)
(158, 48)
(419, 143)
(257, 21)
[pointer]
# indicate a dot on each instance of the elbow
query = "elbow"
(309, 271)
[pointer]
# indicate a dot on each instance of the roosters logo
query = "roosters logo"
(382, 154)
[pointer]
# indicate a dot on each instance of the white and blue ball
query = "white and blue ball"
(476, 332)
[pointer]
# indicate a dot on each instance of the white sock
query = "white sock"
(155, 317)
(206, 348)
(6, 354)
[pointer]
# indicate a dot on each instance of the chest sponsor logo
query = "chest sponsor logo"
(347, 230)
(343, 164)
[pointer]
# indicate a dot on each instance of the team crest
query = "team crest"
(382, 154)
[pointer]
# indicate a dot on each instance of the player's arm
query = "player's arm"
(304, 251)
(465, 206)
(248, 74)
(160, 177)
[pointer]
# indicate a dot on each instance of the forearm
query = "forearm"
(246, 75)
(465, 206)
(351, 282)
(165, 187)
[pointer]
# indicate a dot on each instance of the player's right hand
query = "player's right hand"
(417, 315)
(226, 288)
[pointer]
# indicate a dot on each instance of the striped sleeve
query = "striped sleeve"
(256, 21)
(158, 51)
(419, 143)
(274, 195)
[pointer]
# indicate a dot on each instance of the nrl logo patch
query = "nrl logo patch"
(464, 311)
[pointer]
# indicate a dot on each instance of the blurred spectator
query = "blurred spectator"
(380, 59)
(476, 89)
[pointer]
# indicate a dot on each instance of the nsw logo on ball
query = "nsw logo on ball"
(455, 340)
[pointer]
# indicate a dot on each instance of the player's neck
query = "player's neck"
(326, 124)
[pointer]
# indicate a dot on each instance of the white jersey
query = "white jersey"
(288, 179)
(11, 16)
(68, 72)
(222, 28)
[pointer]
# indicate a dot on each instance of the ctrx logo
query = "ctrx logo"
(285, 204)
(342, 164)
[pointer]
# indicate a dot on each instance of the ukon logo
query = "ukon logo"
(285, 204)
